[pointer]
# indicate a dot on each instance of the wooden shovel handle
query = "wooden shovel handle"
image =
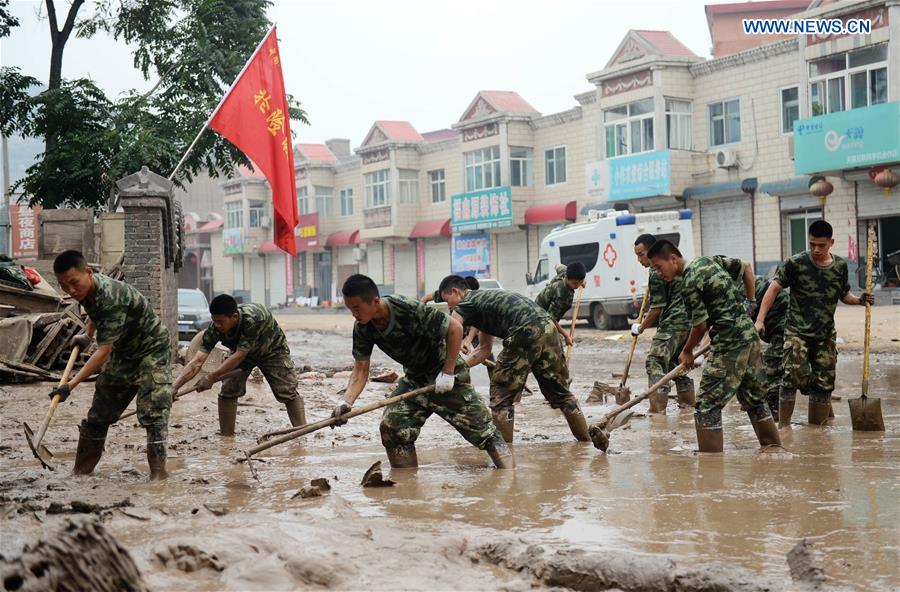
(54, 403)
(870, 248)
(178, 395)
(572, 326)
(634, 338)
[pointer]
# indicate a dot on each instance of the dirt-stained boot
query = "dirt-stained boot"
(818, 412)
(296, 411)
(786, 408)
(684, 387)
(91, 439)
(403, 457)
(504, 419)
(772, 402)
(501, 454)
(659, 400)
(156, 452)
(227, 415)
(765, 428)
(710, 437)
(577, 423)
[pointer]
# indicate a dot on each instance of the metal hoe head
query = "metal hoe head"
(865, 414)
(41, 452)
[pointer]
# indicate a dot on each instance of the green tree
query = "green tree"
(191, 50)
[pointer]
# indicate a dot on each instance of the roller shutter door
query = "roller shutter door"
(512, 261)
(405, 270)
(437, 262)
(726, 228)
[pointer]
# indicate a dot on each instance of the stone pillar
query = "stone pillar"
(151, 243)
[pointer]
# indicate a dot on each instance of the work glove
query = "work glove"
(63, 391)
(636, 329)
(204, 384)
(698, 361)
(750, 306)
(342, 408)
(867, 298)
(444, 382)
(82, 341)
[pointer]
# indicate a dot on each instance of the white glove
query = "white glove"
(444, 382)
(698, 361)
(636, 329)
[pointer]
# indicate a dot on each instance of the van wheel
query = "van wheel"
(599, 319)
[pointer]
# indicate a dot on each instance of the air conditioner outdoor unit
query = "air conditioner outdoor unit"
(265, 222)
(726, 158)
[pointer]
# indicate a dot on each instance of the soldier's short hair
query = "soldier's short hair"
(472, 282)
(360, 286)
(453, 281)
(576, 271)
(664, 249)
(821, 229)
(647, 240)
(223, 304)
(69, 259)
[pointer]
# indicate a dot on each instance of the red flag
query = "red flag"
(254, 117)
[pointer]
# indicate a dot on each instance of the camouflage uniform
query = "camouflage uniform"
(672, 331)
(734, 365)
(530, 342)
(556, 297)
(810, 353)
(258, 334)
(773, 335)
(416, 337)
(139, 362)
(436, 297)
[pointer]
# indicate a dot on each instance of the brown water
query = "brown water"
(650, 495)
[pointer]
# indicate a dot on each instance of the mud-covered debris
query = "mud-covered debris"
(342, 374)
(312, 376)
(307, 491)
(188, 558)
(601, 392)
(256, 376)
(79, 507)
(374, 477)
(599, 437)
(321, 483)
(389, 376)
(805, 566)
(216, 509)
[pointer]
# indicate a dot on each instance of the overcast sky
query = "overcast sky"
(351, 62)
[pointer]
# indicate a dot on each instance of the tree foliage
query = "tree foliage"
(190, 49)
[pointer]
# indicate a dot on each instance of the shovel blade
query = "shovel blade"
(41, 452)
(865, 414)
(619, 420)
(623, 395)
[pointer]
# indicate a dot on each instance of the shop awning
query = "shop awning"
(715, 190)
(795, 186)
(431, 228)
(211, 225)
(269, 248)
(558, 212)
(344, 237)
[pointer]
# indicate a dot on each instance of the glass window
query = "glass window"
(790, 109)
(859, 90)
(630, 128)
(828, 65)
(678, 125)
(817, 97)
(438, 186)
(878, 86)
(835, 95)
(234, 214)
(346, 198)
(520, 167)
(586, 253)
(482, 168)
(378, 188)
(724, 122)
(324, 201)
(257, 213)
(555, 166)
(868, 55)
(409, 186)
(303, 200)
(542, 273)
(862, 73)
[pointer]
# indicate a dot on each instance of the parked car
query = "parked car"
(193, 313)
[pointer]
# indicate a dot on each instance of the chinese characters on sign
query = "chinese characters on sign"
(629, 177)
(490, 208)
(471, 255)
(23, 221)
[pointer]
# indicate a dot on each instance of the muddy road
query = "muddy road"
(212, 526)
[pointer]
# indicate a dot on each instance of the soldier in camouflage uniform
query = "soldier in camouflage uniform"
(673, 326)
(251, 332)
(713, 301)
(470, 334)
(773, 335)
(531, 343)
(426, 341)
(556, 297)
(133, 352)
(817, 280)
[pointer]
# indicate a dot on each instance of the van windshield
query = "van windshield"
(542, 273)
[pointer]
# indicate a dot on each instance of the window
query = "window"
(482, 168)
(438, 187)
(790, 108)
(234, 214)
(520, 165)
(303, 200)
(862, 72)
(555, 166)
(587, 253)
(542, 273)
(629, 128)
(378, 188)
(324, 201)
(798, 229)
(409, 186)
(257, 213)
(725, 122)
(678, 125)
(346, 197)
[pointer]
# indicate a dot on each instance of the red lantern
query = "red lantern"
(887, 179)
(821, 189)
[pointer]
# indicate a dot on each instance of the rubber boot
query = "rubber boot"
(577, 424)
(785, 410)
(90, 448)
(772, 402)
(296, 411)
(818, 412)
(504, 419)
(403, 457)
(685, 389)
(156, 452)
(767, 434)
(501, 454)
(709, 439)
(659, 400)
(227, 416)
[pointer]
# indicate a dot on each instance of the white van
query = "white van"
(605, 245)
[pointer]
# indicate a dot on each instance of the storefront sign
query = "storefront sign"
(308, 233)
(490, 208)
(629, 177)
(471, 255)
(25, 229)
(848, 139)
(233, 241)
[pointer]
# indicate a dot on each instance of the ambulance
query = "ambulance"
(616, 281)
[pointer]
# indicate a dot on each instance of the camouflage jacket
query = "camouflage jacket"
(416, 336)
(500, 313)
(124, 317)
(257, 333)
(667, 296)
(776, 316)
(556, 297)
(815, 291)
(710, 294)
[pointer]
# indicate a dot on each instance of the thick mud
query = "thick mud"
(213, 526)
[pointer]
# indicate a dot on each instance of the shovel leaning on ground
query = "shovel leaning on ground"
(600, 431)
(624, 393)
(233, 373)
(34, 440)
(865, 412)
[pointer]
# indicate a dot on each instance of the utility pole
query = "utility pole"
(5, 233)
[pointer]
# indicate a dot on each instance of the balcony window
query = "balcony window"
(303, 200)
(482, 168)
(324, 201)
(378, 188)
(790, 108)
(234, 214)
(520, 167)
(629, 128)
(862, 72)
(257, 213)
(678, 125)
(409, 186)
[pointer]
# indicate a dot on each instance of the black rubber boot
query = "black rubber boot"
(785, 409)
(156, 452)
(227, 416)
(501, 454)
(577, 423)
(772, 402)
(403, 457)
(91, 439)
(504, 419)
(684, 387)
(296, 411)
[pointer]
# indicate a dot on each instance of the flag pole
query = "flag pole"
(221, 102)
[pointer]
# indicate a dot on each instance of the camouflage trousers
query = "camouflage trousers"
(663, 355)
(461, 407)
(278, 371)
(773, 357)
(537, 349)
(150, 380)
(729, 372)
(808, 365)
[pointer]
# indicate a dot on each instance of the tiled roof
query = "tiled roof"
(440, 135)
(401, 131)
(318, 152)
(665, 43)
(508, 101)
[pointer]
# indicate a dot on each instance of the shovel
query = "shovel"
(34, 441)
(624, 393)
(600, 431)
(233, 373)
(572, 328)
(865, 413)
